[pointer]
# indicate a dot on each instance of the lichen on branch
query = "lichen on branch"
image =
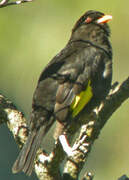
(47, 165)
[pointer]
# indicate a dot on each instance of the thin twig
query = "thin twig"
(5, 3)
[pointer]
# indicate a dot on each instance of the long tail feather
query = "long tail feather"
(25, 160)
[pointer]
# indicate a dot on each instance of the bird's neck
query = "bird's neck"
(96, 36)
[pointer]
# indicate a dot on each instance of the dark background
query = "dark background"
(30, 35)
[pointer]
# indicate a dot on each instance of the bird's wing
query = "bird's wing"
(75, 91)
(57, 62)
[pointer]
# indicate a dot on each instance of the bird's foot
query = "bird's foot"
(65, 145)
(71, 151)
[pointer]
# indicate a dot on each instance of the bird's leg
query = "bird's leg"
(70, 151)
(65, 145)
(60, 136)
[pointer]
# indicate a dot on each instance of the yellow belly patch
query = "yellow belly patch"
(81, 100)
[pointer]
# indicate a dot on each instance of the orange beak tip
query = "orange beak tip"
(104, 19)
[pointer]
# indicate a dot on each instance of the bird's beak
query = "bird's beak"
(104, 19)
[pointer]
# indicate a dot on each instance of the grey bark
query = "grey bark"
(47, 165)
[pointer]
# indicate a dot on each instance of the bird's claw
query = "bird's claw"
(71, 151)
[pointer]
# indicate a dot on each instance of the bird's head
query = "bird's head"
(91, 23)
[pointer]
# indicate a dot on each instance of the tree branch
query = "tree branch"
(18, 126)
(5, 3)
(91, 130)
(47, 166)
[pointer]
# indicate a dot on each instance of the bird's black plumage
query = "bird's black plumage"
(85, 61)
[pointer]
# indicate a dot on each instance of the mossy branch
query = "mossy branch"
(90, 130)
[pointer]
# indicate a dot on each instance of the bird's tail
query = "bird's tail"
(25, 160)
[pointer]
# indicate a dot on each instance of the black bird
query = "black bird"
(76, 79)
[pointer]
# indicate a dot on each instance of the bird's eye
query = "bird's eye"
(88, 19)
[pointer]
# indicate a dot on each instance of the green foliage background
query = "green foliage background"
(30, 35)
